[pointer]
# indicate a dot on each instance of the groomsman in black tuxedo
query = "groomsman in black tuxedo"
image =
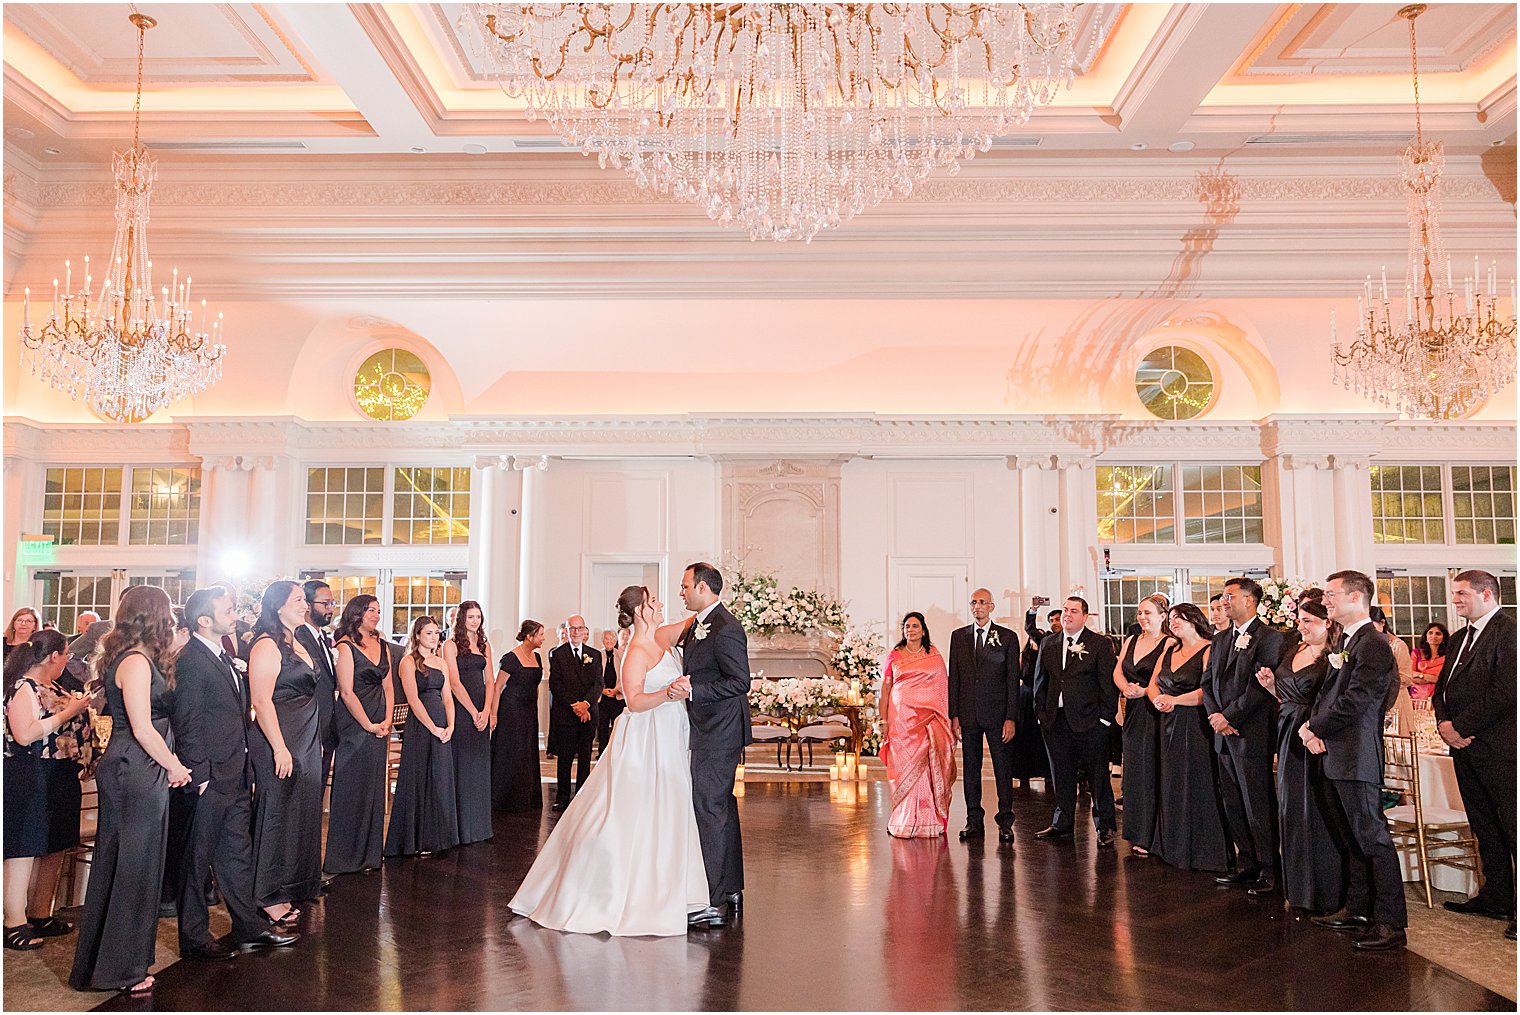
(984, 703)
(611, 706)
(209, 717)
(1243, 716)
(318, 643)
(1076, 701)
(575, 687)
(1346, 728)
(1475, 715)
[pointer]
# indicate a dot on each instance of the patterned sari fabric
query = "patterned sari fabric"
(918, 749)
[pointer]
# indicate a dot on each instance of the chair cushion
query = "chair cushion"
(768, 733)
(1404, 814)
(824, 731)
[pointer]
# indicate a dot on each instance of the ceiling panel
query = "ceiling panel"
(193, 43)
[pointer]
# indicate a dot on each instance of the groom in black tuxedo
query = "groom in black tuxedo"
(715, 682)
(209, 717)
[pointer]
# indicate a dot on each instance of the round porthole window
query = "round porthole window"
(1174, 383)
(393, 384)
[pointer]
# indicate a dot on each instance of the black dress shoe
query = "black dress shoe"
(1053, 833)
(711, 916)
(1473, 907)
(1343, 920)
(1264, 888)
(215, 951)
(269, 939)
(1105, 838)
(1509, 931)
(735, 902)
(556, 806)
(1005, 835)
(1244, 876)
(1380, 937)
(972, 832)
(327, 880)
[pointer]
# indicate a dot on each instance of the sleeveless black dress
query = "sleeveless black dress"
(120, 925)
(287, 813)
(516, 784)
(424, 812)
(472, 754)
(42, 791)
(1190, 828)
(1314, 866)
(356, 808)
(1142, 749)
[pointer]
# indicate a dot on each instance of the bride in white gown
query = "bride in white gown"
(625, 858)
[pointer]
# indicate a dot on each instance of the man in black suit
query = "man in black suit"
(1475, 715)
(318, 644)
(611, 705)
(715, 684)
(209, 717)
(1243, 716)
(1346, 728)
(575, 686)
(984, 702)
(1076, 702)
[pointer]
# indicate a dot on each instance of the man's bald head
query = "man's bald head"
(576, 630)
(981, 606)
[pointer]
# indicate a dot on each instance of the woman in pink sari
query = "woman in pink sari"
(918, 749)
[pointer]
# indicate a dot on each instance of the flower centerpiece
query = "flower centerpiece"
(1279, 602)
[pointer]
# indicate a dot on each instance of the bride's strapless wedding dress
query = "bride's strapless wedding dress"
(625, 858)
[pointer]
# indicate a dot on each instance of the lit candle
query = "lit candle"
(833, 773)
(55, 297)
(68, 278)
(1332, 327)
(860, 771)
(1385, 283)
(1448, 273)
(26, 306)
(1492, 268)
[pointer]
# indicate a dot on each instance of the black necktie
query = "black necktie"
(981, 639)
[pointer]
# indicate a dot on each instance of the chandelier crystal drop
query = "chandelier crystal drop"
(126, 351)
(782, 119)
(1451, 348)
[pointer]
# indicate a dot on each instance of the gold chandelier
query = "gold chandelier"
(1452, 348)
(125, 353)
(782, 119)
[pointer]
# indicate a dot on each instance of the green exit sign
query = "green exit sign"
(37, 550)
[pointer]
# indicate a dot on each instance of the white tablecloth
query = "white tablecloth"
(1438, 788)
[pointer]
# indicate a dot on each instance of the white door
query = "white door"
(939, 589)
(608, 579)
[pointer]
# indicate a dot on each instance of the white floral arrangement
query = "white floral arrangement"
(761, 606)
(1279, 602)
(797, 694)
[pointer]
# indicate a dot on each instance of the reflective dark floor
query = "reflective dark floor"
(839, 916)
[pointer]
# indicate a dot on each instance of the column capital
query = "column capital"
(1299, 462)
(499, 462)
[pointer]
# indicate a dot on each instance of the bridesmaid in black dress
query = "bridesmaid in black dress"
(287, 758)
(516, 784)
(1190, 828)
(120, 925)
(1314, 864)
(465, 657)
(424, 812)
(1142, 723)
(362, 722)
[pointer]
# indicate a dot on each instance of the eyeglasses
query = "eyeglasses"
(578, 629)
(981, 602)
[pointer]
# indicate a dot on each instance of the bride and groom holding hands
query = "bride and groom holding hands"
(651, 845)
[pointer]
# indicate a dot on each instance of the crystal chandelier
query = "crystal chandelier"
(115, 350)
(1452, 348)
(782, 119)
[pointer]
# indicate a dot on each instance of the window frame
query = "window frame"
(1179, 516)
(387, 520)
(1448, 543)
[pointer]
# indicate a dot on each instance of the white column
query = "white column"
(1353, 515)
(1300, 498)
(495, 540)
(23, 505)
(274, 523)
(1038, 530)
(1077, 502)
(224, 518)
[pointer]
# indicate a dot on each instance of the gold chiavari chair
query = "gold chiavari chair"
(1413, 824)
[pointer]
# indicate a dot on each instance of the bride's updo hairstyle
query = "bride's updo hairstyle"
(628, 603)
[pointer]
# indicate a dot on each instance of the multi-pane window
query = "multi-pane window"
(345, 506)
(431, 506)
(1483, 503)
(1221, 503)
(1507, 594)
(165, 506)
(1136, 504)
(1204, 587)
(414, 596)
(1406, 504)
(82, 506)
(66, 596)
(1122, 596)
(178, 586)
(1415, 601)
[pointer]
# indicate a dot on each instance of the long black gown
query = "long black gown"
(287, 813)
(1190, 828)
(120, 925)
(472, 755)
(1314, 864)
(424, 812)
(1142, 749)
(356, 808)
(1030, 759)
(516, 784)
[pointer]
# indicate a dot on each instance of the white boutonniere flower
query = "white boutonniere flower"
(992, 637)
(699, 631)
(1338, 659)
(1242, 641)
(1079, 650)
(241, 665)
(586, 659)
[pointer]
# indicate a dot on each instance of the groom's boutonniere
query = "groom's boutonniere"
(1338, 659)
(1242, 641)
(992, 638)
(699, 630)
(241, 665)
(1079, 650)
